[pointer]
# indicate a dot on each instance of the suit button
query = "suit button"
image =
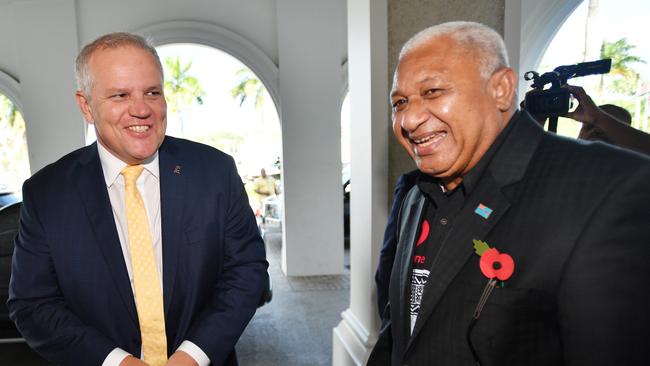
(443, 222)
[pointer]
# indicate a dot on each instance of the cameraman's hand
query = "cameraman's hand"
(587, 111)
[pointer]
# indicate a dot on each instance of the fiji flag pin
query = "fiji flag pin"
(177, 169)
(483, 211)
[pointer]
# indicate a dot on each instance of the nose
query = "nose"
(139, 107)
(414, 115)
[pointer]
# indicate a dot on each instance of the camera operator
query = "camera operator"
(600, 125)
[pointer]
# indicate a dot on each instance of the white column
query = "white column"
(512, 37)
(311, 35)
(47, 47)
(357, 332)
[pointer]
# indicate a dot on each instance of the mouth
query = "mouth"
(425, 144)
(139, 128)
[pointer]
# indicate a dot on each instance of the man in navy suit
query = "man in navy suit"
(515, 246)
(72, 293)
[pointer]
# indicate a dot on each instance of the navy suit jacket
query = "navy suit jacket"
(70, 294)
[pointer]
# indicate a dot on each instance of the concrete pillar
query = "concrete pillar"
(357, 332)
(47, 47)
(512, 37)
(310, 35)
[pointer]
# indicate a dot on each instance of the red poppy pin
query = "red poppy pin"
(494, 264)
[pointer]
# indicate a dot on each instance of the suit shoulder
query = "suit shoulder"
(194, 149)
(62, 166)
(589, 156)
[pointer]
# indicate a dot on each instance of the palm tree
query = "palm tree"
(625, 78)
(8, 110)
(181, 89)
(249, 86)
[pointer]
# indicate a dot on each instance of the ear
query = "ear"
(502, 86)
(84, 107)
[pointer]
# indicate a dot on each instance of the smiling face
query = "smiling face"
(126, 103)
(445, 114)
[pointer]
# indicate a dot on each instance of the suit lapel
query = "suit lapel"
(91, 185)
(457, 248)
(172, 186)
(407, 235)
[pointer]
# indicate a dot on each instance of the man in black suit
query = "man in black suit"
(140, 249)
(516, 246)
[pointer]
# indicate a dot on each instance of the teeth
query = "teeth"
(425, 139)
(138, 128)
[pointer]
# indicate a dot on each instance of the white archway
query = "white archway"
(223, 39)
(10, 87)
(533, 23)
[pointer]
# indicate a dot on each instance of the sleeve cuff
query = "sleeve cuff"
(195, 352)
(115, 357)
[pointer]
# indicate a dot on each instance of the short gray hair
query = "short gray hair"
(487, 43)
(111, 40)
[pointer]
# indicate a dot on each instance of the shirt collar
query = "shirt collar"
(112, 166)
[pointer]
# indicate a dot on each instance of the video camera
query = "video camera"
(554, 101)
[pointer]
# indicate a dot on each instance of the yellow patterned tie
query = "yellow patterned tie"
(148, 294)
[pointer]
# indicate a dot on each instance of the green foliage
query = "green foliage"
(8, 111)
(248, 86)
(480, 247)
(181, 89)
(623, 78)
(14, 161)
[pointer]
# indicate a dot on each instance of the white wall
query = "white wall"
(46, 42)
(254, 20)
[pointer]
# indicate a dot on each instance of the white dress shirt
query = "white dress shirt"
(148, 185)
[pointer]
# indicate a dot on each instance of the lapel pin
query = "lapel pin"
(483, 211)
(177, 169)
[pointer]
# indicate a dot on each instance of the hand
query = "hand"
(180, 358)
(132, 361)
(587, 111)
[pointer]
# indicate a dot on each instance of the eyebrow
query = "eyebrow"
(425, 80)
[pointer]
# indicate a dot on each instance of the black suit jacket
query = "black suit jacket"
(575, 217)
(70, 294)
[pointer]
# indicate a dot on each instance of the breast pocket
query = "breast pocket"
(517, 322)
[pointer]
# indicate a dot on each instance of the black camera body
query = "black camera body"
(555, 101)
(549, 102)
